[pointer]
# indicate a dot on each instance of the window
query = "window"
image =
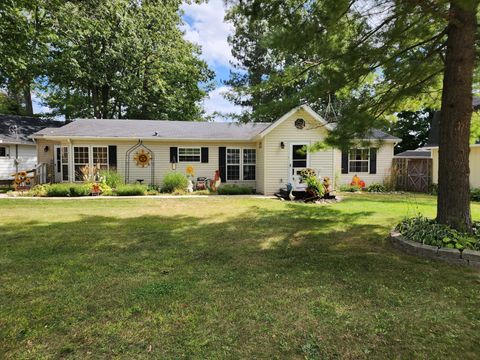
(358, 160)
(249, 162)
(100, 157)
(3, 151)
(81, 159)
(189, 154)
(299, 156)
(64, 161)
(233, 164)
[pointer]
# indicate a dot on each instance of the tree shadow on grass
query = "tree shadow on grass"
(118, 285)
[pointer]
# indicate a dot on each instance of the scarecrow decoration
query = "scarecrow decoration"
(142, 158)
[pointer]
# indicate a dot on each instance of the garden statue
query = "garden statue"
(326, 186)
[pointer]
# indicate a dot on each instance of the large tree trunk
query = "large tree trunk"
(27, 98)
(454, 172)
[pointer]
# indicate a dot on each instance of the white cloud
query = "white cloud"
(208, 29)
(216, 103)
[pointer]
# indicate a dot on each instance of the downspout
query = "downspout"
(16, 158)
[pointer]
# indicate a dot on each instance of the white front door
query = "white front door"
(299, 160)
(57, 163)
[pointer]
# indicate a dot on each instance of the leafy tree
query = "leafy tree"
(375, 58)
(413, 127)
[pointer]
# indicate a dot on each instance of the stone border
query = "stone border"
(452, 256)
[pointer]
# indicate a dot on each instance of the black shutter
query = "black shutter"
(112, 156)
(222, 163)
(373, 161)
(204, 154)
(344, 162)
(173, 155)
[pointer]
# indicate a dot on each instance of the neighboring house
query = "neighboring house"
(265, 156)
(17, 150)
(432, 145)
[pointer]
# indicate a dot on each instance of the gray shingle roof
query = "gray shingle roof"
(157, 129)
(163, 129)
(419, 153)
(16, 129)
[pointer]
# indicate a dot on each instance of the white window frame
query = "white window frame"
(75, 163)
(105, 164)
(90, 158)
(354, 160)
(6, 152)
(190, 161)
(64, 175)
(227, 164)
(254, 164)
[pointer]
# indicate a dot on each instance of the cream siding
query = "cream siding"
(161, 159)
(384, 167)
(474, 162)
(277, 159)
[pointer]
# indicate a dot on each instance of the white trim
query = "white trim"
(368, 161)
(57, 170)
(153, 139)
(239, 163)
(290, 160)
(189, 147)
(7, 151)
(248, 164)
(306, 108)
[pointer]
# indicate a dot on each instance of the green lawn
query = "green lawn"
(226, 278)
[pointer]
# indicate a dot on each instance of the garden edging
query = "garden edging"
(452, 256)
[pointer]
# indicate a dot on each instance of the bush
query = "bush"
(58, 190)
(350, 188)
(475, 194)
(315, 185)
(379, 188)
(174, 181)
(228, 189)
(111, 178)
(38, 191)
(80, 190)
(131, 190)
(429, 232)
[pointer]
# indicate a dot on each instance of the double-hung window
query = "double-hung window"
(81, 158)
(249, 164)
(189, 154)
(233, 164)
(358, 160)
(100, 157)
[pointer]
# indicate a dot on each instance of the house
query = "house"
(17, 150)
(474, 157)
(264, 156)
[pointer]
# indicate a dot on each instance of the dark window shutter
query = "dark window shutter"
(344, 162)
(204, 154)
(173, 155)
(112, 156)
(373, 161)
(222, 163)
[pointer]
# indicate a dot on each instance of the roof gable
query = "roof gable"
(15, 129)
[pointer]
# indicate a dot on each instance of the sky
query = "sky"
(205, 26)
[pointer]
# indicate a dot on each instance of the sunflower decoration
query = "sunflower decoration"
(190, 171)
(142, 158)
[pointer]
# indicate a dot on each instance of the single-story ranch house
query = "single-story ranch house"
(264, 156)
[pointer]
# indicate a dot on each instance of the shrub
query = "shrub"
(429, 232)
(38, 191)
(475, 194)
(59, 190)
(111, 178)
(228, 189)
(174, 181)
(80, 190)
(379, 188)
(131, 190)
(349, 188)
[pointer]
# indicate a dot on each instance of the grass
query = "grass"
(226, 278)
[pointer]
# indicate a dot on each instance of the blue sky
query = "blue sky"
(205, 26)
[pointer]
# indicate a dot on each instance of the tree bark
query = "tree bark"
(27, 98)
(453, 207)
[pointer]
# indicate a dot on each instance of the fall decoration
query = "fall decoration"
(356, 181)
